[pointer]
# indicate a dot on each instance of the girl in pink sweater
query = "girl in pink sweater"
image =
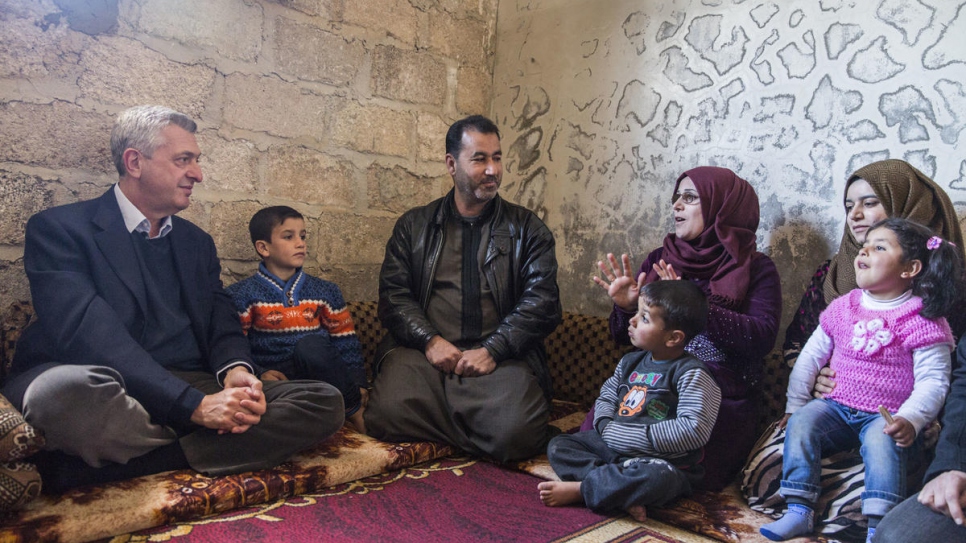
(889, 344)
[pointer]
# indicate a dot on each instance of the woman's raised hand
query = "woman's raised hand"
(618, 281)
(666, 271)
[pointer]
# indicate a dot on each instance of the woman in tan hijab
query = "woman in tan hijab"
(889, 188)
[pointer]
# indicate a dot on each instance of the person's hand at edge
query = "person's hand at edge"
(946, 494)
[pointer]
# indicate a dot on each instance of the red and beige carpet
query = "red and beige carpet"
(354, 488)
(455, 499)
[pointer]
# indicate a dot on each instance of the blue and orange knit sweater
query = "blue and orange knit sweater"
(275, 314)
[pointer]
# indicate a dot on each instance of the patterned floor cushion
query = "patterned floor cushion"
(19, 481)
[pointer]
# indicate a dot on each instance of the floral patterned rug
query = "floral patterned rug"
(355, 466)
(453, 499)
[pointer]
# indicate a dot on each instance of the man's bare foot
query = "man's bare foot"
(557, 493)
(356, 421)
(638, 513)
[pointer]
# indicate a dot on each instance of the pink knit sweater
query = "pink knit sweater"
(872, 357)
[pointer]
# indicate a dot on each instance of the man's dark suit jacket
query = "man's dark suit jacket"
(951, 449)
(90, 300)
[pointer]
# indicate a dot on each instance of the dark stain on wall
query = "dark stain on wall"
(526, 148)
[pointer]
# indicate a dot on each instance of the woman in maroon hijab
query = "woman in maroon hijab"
(714, 245)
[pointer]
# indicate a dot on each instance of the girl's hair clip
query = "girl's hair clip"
(934, 243)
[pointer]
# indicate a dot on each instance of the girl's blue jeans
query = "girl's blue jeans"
(824, 427)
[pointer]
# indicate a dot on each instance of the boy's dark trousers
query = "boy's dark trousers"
(317, 359)
(610, 482)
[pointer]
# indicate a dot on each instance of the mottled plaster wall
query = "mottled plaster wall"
(336, 107)
(603, 104)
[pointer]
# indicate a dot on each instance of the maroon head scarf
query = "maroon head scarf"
(722, 253)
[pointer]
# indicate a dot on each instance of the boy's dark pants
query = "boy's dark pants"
(317, 359)
(610, 482)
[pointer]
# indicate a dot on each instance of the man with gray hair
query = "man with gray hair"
(137, 363)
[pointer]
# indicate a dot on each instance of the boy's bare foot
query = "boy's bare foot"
(638, 513)
(557, 493)
(356, 421)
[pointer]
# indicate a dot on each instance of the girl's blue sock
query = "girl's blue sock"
(873, 522)
(798, 520)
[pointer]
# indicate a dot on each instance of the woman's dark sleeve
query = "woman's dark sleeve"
(747, 336)
(805, 320)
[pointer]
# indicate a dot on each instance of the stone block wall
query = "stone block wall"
(604, 104)
(335, 107)
(339, 108)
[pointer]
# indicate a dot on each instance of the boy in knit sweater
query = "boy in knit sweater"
(653, 416)
(298, 325)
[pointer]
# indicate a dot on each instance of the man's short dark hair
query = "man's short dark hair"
(266, 219)
(684, 305)
(476, 123)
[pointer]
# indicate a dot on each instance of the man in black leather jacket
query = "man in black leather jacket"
(468, 292)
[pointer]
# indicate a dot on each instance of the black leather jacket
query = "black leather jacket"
(520, 267)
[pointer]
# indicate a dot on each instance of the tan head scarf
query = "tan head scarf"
(904, 192)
